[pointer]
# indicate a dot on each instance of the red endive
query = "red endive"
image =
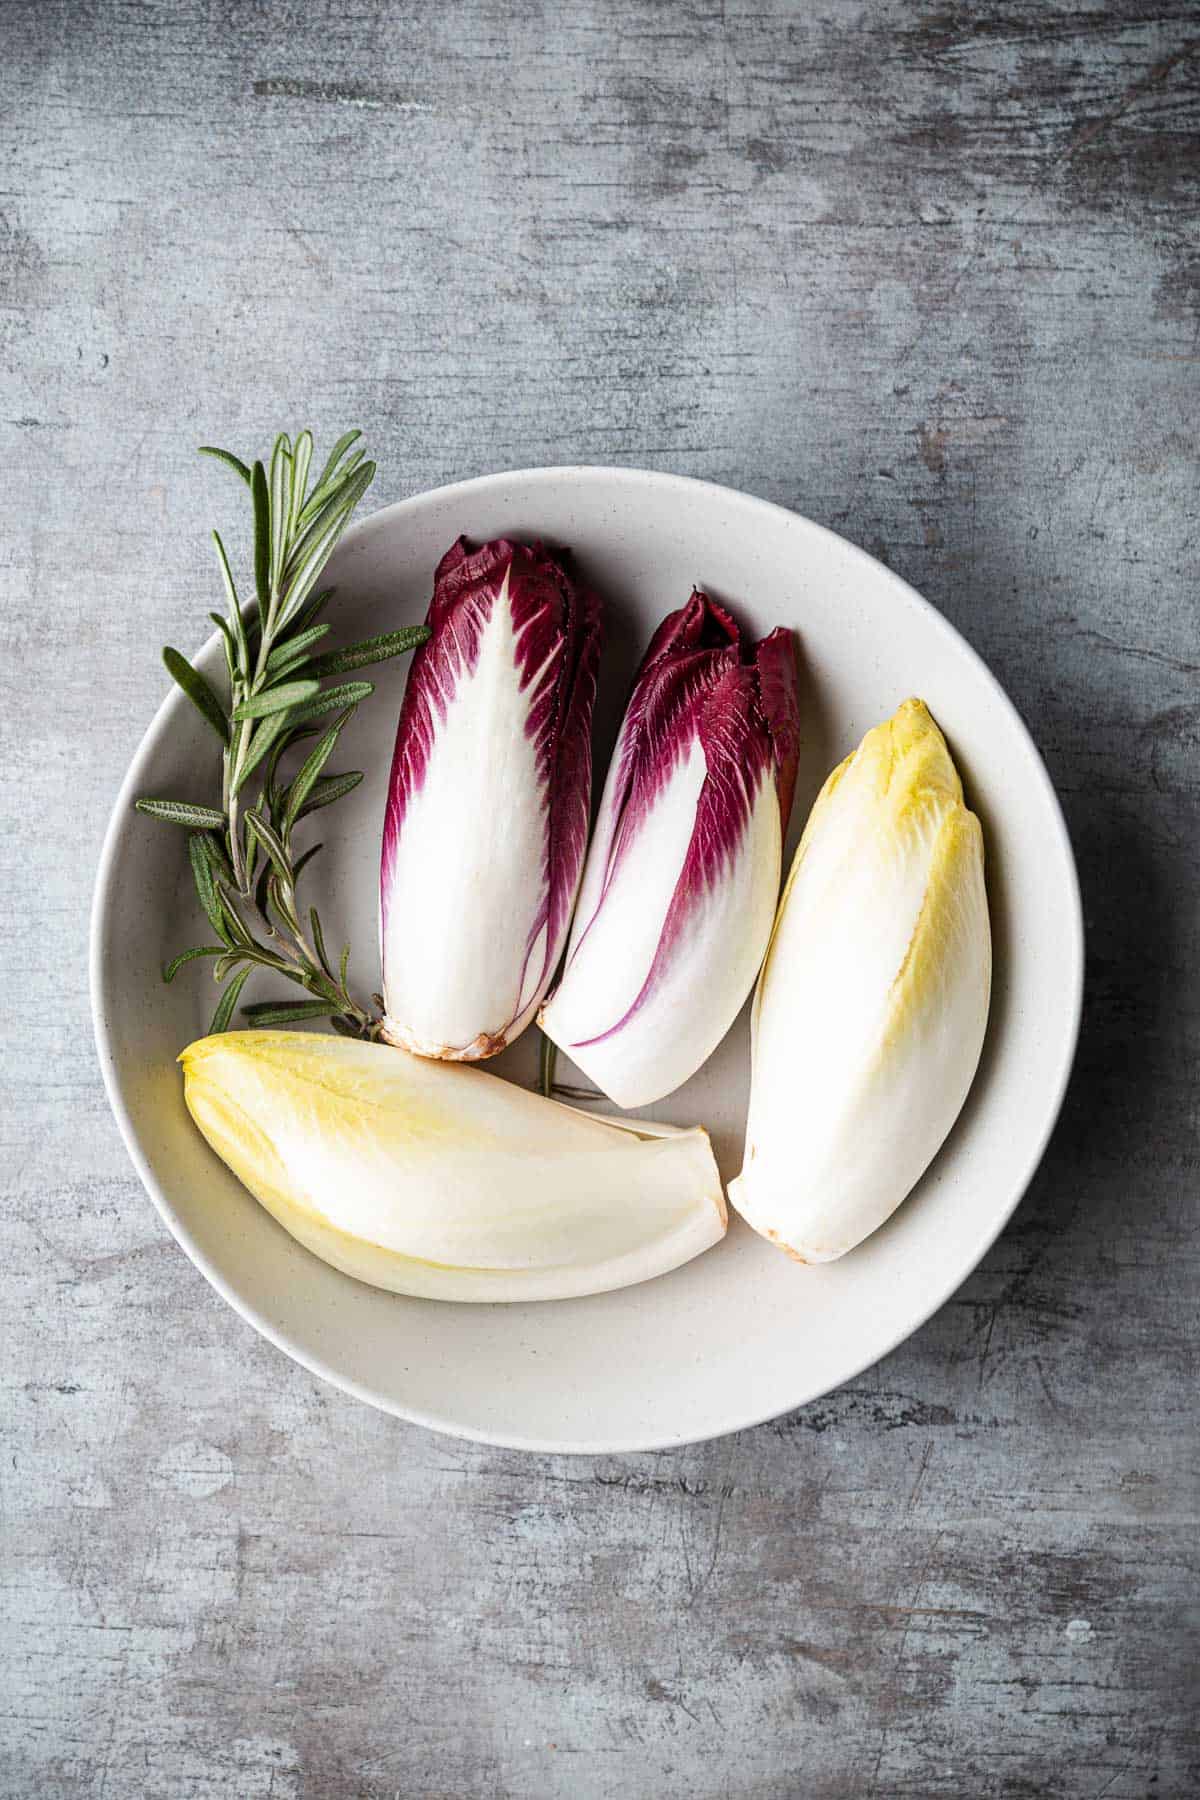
(487, 812)
(682, 877)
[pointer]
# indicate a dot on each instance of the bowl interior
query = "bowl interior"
(743, 1333)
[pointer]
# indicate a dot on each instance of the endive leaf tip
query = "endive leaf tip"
(905, 757)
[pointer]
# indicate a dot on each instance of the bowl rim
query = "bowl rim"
(580, 473)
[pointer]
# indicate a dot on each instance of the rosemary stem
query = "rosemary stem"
(247, 872)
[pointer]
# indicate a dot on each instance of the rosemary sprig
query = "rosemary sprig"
(243, 861)
(549, 1085)
(547, 1065)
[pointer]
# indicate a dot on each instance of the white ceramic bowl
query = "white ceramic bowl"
(743, 1333)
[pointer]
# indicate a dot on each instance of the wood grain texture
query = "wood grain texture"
(926, 273)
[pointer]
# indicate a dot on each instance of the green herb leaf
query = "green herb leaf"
(227, 644)
(242, 953)
(301, 458)
(370, 650)
(206, 887)
(316, 545)
(326, 791)
(309, 770)
(281, 507)
(302, 860)
(271, 843)
(270, 735)
(214, 849)
(182, 812)
(262, 541)
(318, 937)
(186, 956)
(287, 1012)
(261, 898)
(310, 610)
(341, 475)
(335, 456)
(332, 700)
(285, 741)
(229, 999)
(237, 623)
(279, 901)
(276, 699)
(229, 459)
(295, 649)
(234, 923)
(547, 1059)
(197, 691)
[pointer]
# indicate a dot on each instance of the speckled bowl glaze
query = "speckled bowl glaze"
(742, 1334)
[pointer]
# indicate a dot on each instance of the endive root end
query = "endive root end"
(478, 1050)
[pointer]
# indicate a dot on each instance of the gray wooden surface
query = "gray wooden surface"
(928, 274)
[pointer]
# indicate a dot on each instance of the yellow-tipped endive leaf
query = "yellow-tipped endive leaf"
(872, 1003)
(435, 1179)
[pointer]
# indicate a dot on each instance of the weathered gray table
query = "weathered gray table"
(928, 276)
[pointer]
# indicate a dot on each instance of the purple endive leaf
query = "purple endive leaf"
(683, 872)
(775, 663)
(737, 760)
(504, 689)
(684, 654)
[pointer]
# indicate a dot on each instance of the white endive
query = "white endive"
(682, 875)
(872, 1004)
(489, 798)
(432, 1179)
